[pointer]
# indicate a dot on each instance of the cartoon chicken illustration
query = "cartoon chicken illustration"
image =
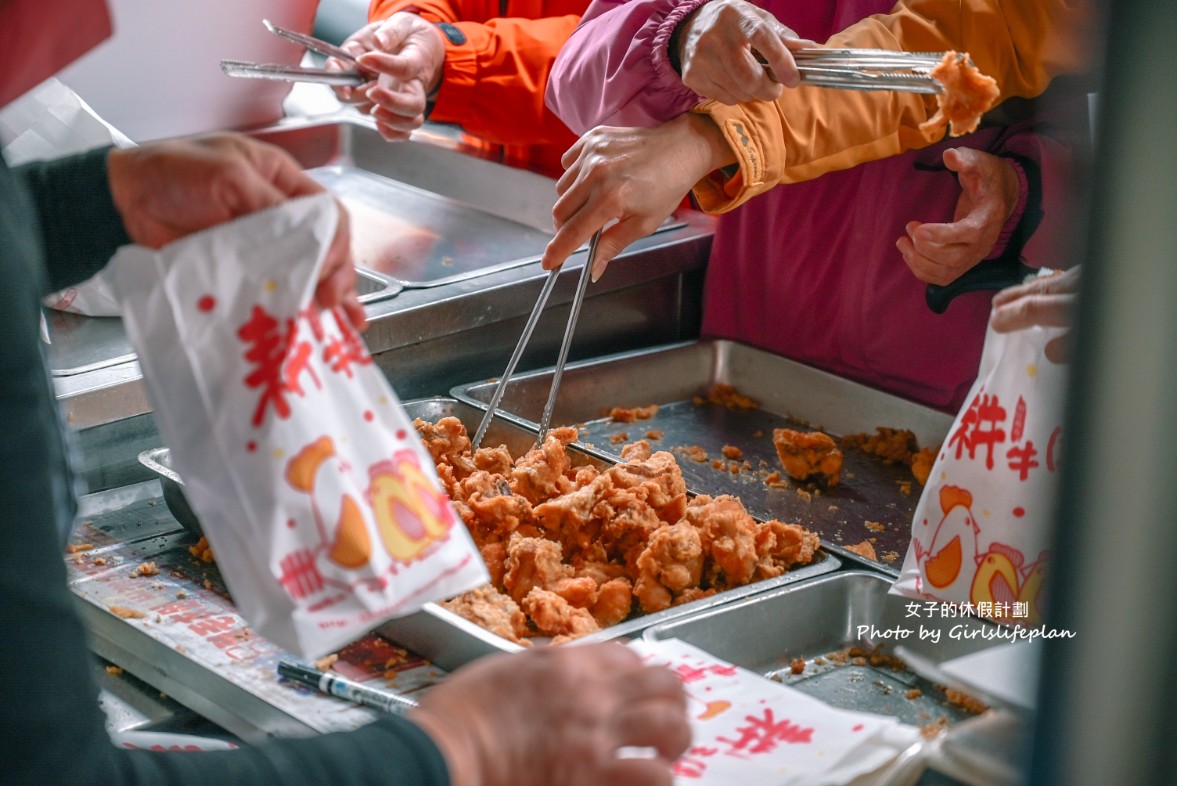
(949, 556)
(1001, 578)
(365, 532)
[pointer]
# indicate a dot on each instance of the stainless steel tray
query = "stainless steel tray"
(410, 237)
(815, 618)
(790, 395)
(450, 641)
(437, 633)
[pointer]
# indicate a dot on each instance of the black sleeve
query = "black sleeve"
(80, 227)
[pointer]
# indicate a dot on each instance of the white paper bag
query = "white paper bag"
(317, 497)
(980, 530)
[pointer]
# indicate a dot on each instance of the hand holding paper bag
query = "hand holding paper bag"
(981, 529)
(314, 490)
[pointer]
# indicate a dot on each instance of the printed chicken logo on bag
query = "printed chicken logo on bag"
(368, 518)
(980, 530)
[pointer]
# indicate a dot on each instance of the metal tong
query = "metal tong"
(528, 329)
(869, 69)
(351, 77)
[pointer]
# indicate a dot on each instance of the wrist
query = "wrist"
(713, 149)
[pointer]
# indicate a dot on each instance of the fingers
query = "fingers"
(1066, 282)
(658, 724)
(936, 262)
(638, 772)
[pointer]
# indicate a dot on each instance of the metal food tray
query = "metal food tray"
(450, 640)
(790, 395)
(820, 617)
(446, 638)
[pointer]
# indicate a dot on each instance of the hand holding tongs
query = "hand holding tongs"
(528, 329)
(351, 77)
(869, 69)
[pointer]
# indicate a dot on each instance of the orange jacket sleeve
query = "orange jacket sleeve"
(493, 82)
(1020, 44)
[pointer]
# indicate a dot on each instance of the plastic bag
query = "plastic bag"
(319, 501)
(981, 528)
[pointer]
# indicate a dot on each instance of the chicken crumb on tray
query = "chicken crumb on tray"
(574, 549)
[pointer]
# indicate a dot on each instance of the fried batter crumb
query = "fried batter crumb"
(731, 452)
(127, 613)
(145, 569)
(327, 661)
(797, 665)
(966, 702)
(864, 549)
(113, 670)
(73, 548)
(630, 414)
(655, 434)
(875, 526)
(726, 396)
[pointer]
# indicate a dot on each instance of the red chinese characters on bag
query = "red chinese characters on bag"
(980, 529)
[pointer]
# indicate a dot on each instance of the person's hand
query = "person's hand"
(557, 715)
(166, 190)
(361, 41)
(634, 176)
(732, 51)
(941, 253)
(1047, 300)
(407, 54)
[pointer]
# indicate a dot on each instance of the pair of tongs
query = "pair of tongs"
(351, 77)
(869, 69)
(528, 329)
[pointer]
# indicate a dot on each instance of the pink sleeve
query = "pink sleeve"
(1052, 147)
(614, 69)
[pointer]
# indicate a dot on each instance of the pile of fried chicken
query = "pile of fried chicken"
(573, 549)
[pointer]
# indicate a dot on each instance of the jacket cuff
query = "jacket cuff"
(459, 75)
(666, 65)
(745, 128)
(1015, 218)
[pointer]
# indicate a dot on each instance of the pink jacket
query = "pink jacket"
(809, 269)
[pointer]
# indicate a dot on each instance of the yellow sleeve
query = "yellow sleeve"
(809, 131)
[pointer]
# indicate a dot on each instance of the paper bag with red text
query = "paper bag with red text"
(320, 503)
(981, 529)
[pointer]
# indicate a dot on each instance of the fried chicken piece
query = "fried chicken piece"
(889, 444)
(922, 462)
(495, 557)
(497, 512)
(532, 562)
(496, 461)
(786, 545)
(554, 616)
(659, 479)
(570, 518)
(539, 474)
(580, 591)
(691, 594)
(805, 454)
(728, 534)
(493, 610)
(614, 602)
(447, 441)
(636, 451)
(967, 95)
(671, 563)
(627, 522)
